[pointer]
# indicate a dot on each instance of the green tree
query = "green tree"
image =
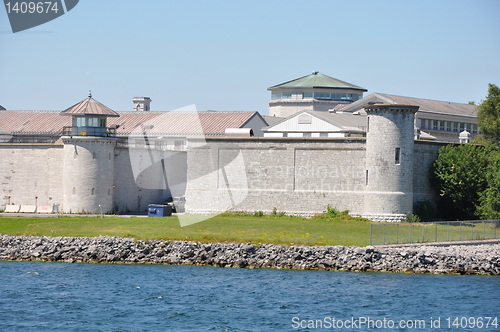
(489, 199)
(488, 116)
(459, 176)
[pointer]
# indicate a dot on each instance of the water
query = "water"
(37, 296)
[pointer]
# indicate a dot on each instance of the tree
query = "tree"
(489, 199)
(459, 176)
(488, 116)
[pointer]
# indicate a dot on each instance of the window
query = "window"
(366, 178)
(286, 95)
(308, 94)
(448, 126)
(367, 124)
(307, 134)
(455, 126)
(93, 191)
(93, 155)
(397, 159)
(322, 95)
(441, 125)
(435, 125)
(323, 134)
(80, 122)
(474, 128)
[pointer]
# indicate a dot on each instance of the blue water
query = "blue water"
(37, 296)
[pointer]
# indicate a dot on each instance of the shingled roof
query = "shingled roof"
(316, 80)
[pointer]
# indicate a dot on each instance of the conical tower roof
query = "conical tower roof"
(316, 80)
(89, 106)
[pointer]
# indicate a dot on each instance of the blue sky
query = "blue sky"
(223, 55)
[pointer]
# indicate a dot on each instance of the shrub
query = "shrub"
(258, 214)
(334, 213)
(412, 217)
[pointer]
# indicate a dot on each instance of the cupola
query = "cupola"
(89, 118)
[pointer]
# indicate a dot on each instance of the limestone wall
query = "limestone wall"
(425, 154)
(299, 175)
(29, 171)
(141, 177)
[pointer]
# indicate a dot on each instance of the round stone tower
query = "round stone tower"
(389, 162)
(88, 174)
(88, 158)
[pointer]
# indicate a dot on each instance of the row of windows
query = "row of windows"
(317, 95)
(448, 126)
(92, 191)
(90, 122)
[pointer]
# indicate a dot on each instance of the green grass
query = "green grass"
(242, 228)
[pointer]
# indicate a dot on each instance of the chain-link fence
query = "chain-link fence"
(399, 233)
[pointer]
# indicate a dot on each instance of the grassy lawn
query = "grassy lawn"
(339, 230)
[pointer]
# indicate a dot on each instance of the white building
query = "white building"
(314, 92)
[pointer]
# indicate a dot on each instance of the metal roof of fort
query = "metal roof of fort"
(131, 123)
(316, 80)
(208, 123)
(90, 106)
(426, 105)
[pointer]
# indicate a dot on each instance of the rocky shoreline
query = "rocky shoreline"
(456, 259)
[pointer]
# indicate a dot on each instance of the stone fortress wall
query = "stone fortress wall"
(295, 175)
(380, 177)
(78, 174)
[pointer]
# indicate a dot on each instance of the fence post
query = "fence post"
(436, 233)
(460, 231)
(448, 230)
(371, 234)
(384, 234)
(397, 234)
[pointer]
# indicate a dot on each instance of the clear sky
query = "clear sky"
(223, 55)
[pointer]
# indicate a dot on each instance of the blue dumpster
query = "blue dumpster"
(159, 210)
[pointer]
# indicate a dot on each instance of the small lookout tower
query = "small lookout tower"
(89, 118)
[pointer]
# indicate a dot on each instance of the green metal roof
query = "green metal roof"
(316, 80)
